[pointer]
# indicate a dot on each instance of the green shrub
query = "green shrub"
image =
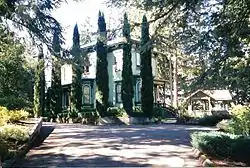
(212, 120)
(137, 112)
(164, 112)
(11, 116)
(224, 125)
(17, 115)
(115, 112)
(222, 145)
(241, 120)
(73, 114)
(91, 117)
(137, 109)
(13, 103)
(184, 118)
(88, 109)
(3, 148)
(4, 117)
(11, 137)
(14, 133)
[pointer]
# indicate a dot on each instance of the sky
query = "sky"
(72, 12)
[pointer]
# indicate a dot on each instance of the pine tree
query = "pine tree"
(56, 87)
(127, 74)
(76, 87)
(102, 93)
(146, 70)
(39, 86)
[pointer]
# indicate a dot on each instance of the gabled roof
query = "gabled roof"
(214, 94)
(219, 94)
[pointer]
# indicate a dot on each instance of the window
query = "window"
(118, 91)
(118, 63)
(86, 69)
(114, 63)
(138, 59)
(64, 74)
(138, 91)
(86, 94)
(65, 99)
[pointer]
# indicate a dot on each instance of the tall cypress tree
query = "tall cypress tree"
(48, 104)
(146, 70)
(39, 86)
(127, 74)
(56, 87)
(102, 83)
(76, 87)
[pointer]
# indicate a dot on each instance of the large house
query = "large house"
(115, 61)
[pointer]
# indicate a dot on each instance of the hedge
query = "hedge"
(12, 137)
(222, 145)
(212, 120)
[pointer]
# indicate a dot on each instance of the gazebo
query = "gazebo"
(208, 102)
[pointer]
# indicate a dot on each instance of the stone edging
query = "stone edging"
(34, 132)
(203, 159)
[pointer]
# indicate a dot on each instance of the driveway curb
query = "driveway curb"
(34, 132)
(203, 159)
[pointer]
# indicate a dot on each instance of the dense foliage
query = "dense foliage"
(127, 74)
(212, 120)
(147, 98)
(39, 86)
(210, 38)
(240, 123)
(102, 77)
(11, 116)
(33, 16)
(16, 75)
(76, 87)
(11, 138)
(222, 145)
(56, 88)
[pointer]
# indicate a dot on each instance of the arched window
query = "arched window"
(138, 91)
(86, 94)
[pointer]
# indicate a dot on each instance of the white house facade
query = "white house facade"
(115, 63)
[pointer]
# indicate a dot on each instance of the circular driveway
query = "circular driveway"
(75, 145)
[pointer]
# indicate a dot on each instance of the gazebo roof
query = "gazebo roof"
(214, 94)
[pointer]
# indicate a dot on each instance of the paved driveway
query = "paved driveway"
(113, 146)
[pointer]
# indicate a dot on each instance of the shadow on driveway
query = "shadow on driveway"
(76, 145)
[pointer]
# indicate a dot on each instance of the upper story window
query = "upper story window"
(114, 63)
(64, 73)
(138, 59)
(86, 69)
(86, 65)
(118, 62)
